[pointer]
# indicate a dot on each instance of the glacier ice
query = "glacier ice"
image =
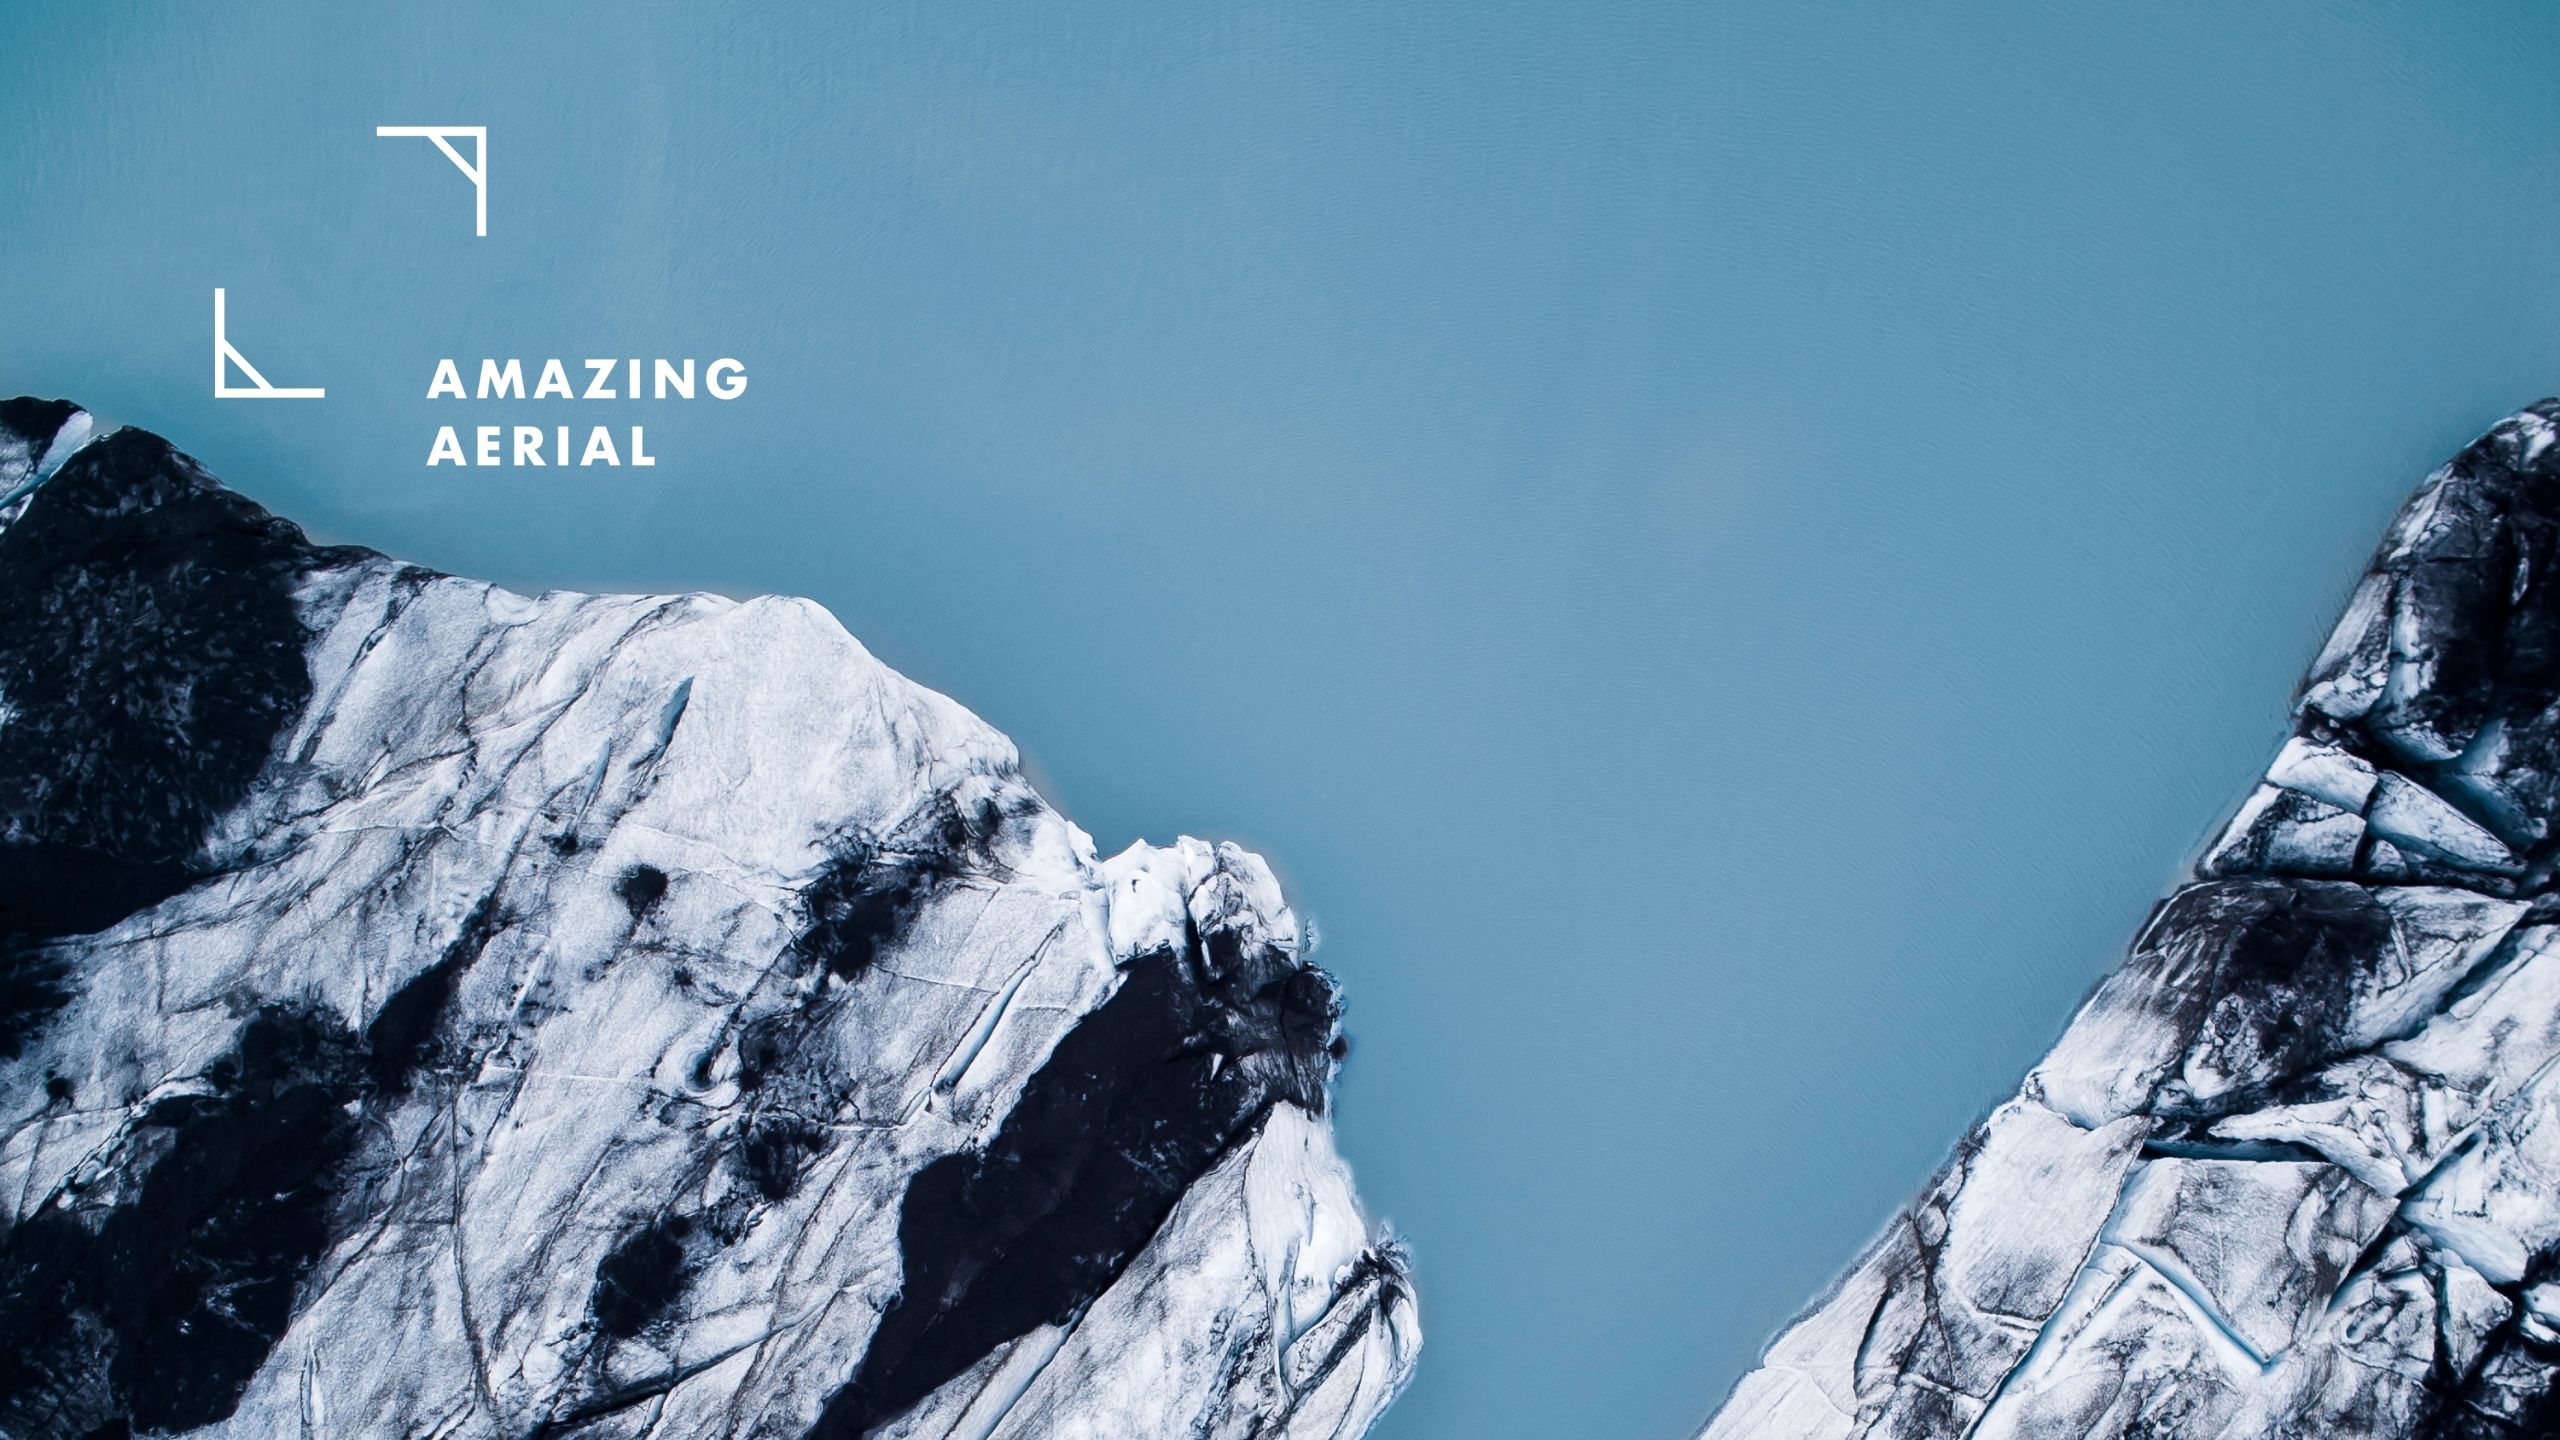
(427, 1010)
(2294, 1168)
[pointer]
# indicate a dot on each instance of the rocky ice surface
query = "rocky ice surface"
(2294, 1168)
(432, 1011)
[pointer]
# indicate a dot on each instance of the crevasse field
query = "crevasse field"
(1725, 553)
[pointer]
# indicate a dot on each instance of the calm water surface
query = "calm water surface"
(1726, 551)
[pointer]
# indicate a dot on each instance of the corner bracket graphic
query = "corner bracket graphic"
(225, 359)
(475, 169)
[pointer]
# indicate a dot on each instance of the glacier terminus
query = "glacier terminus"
(2294, 1168)
(431, 1011)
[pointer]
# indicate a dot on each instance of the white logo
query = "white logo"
(225, 358)
(475, 169)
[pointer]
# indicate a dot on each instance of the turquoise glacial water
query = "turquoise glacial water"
(1727, 551)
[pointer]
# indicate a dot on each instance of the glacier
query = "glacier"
(428, 1010)
(2293, 1170)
